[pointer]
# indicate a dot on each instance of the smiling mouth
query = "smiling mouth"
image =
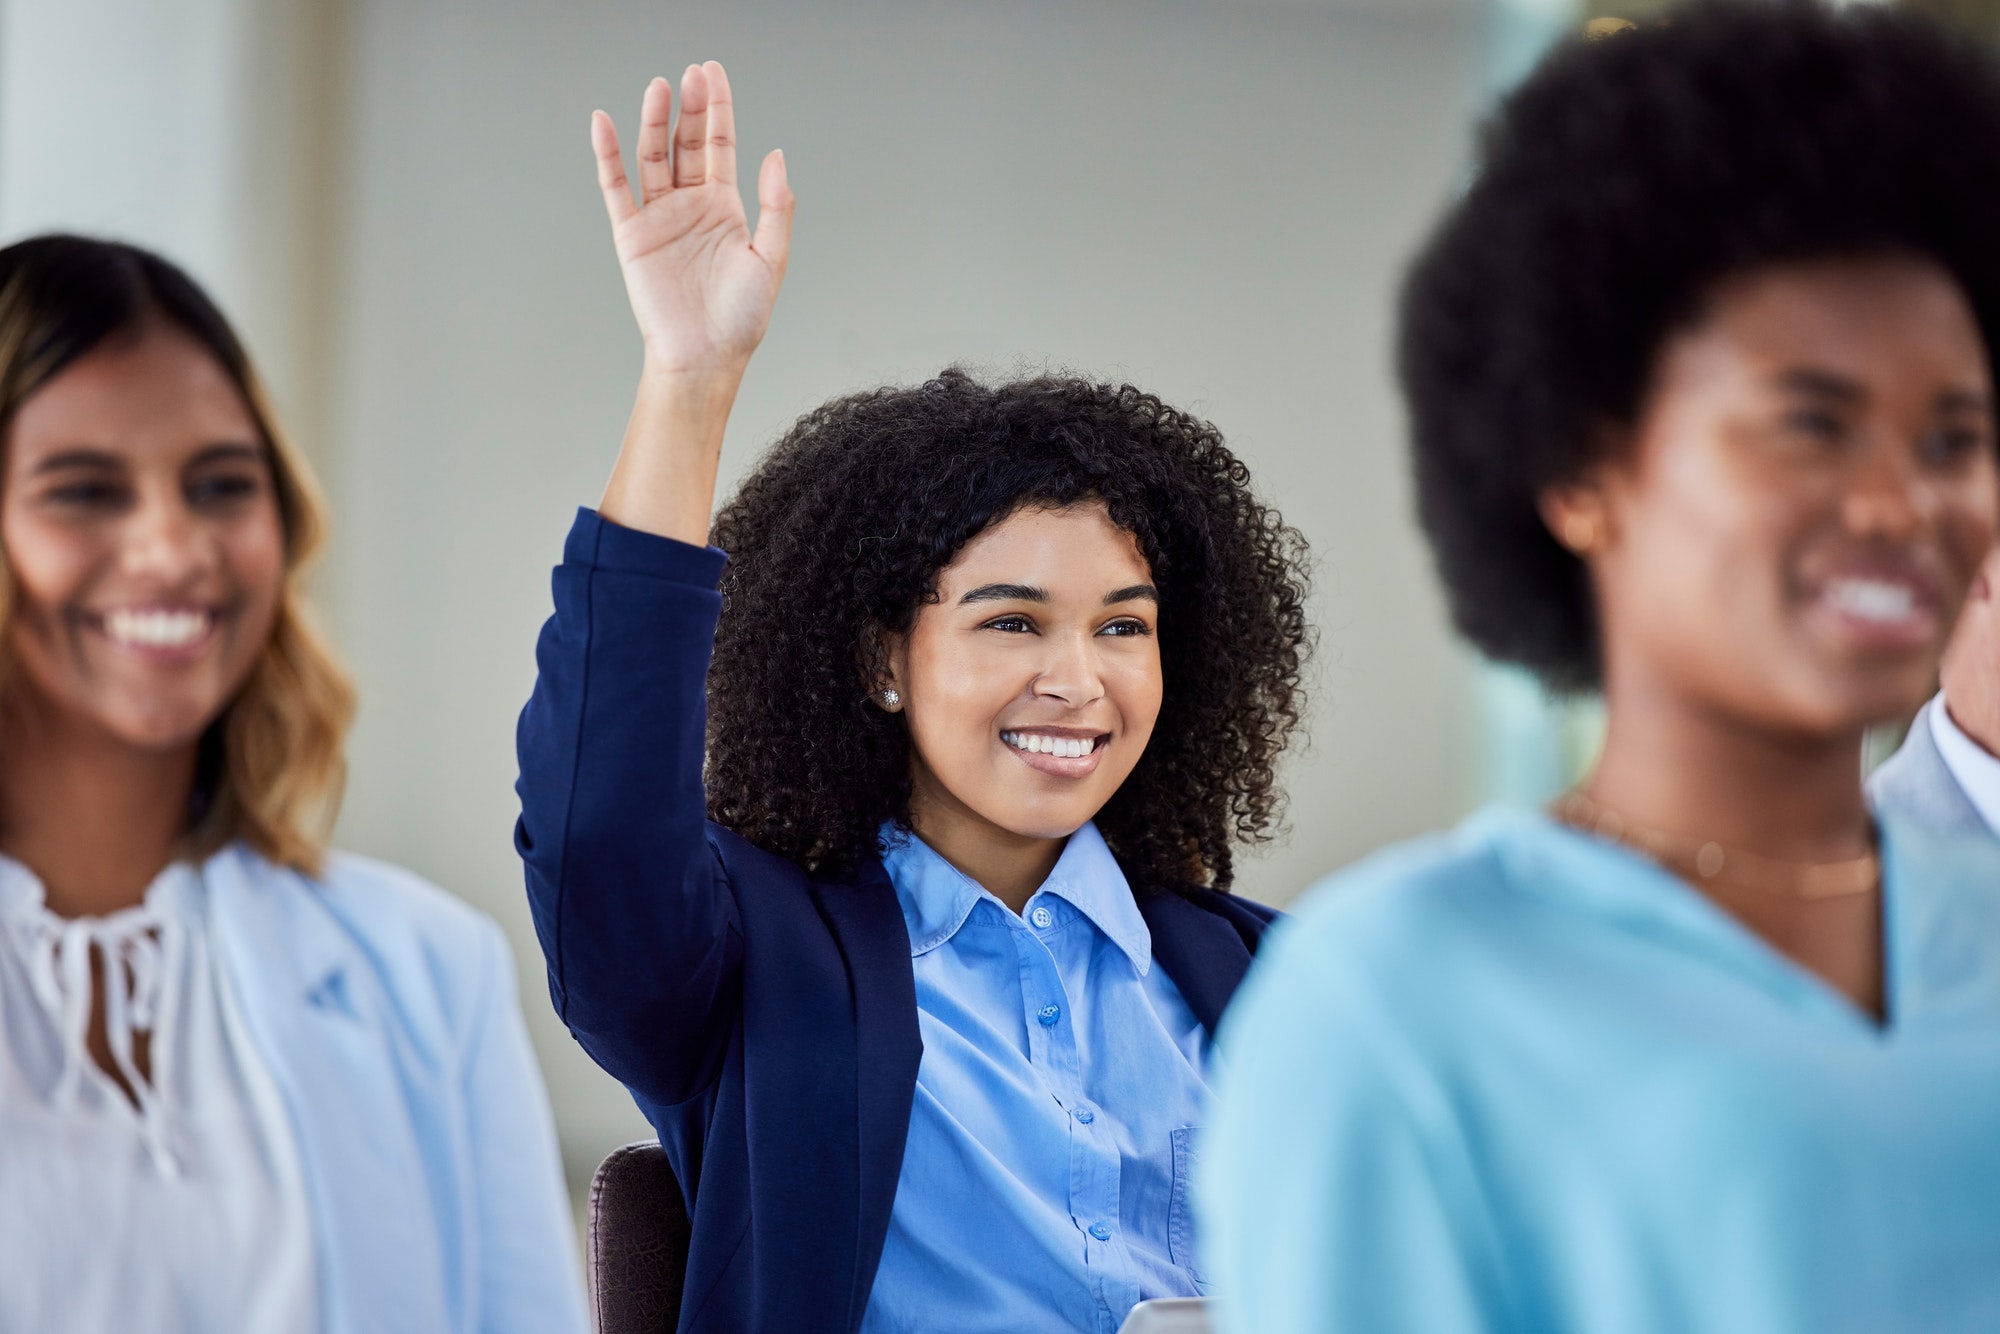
(1056, 745)
(1872, 599)
(1887, 612)
(158, 630)
(1057, 754)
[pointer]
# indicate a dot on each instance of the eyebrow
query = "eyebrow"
(70, 459)
(1005, 593)
(1821, 384)
(76, 458)
(1829, 384)
(1030, 593)
(1965, 400)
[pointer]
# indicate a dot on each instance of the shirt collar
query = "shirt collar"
(172, 892)
(1976, 770)
(937, 898)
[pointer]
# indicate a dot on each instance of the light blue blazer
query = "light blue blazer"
(1915, 785)
(386, 1013)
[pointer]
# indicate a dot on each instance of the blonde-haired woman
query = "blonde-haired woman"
(244, 1084)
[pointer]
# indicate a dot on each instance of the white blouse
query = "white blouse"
(184, 1212)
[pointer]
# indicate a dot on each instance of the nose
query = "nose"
(1888, 496)
(164, 541)
(1071, 672)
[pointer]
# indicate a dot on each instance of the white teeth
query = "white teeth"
(157, 629)
(1872, 599)
(1039, 743)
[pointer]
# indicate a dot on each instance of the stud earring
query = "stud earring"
(892, 699)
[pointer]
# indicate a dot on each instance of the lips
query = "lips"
(1061, 752)
(173, 632)
(1876, 600)
(1882, 609)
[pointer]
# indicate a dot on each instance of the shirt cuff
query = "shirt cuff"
(597, 542)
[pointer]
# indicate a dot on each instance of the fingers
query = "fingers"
(611, 169)
(656, 173)
(774, 212)
(690, 137)
(721, 126)
(702, 147)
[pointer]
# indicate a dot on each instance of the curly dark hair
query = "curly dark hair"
(1615, 188)
(838, 537)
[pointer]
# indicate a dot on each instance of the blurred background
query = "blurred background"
(395, 200)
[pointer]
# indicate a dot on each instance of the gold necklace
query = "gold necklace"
(1707, 861)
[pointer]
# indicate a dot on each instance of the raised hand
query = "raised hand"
(701, 286)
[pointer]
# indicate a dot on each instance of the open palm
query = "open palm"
(701, 285)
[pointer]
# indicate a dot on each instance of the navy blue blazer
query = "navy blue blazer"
(764, 1019)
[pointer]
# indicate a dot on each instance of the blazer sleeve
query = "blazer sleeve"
(526, 1269)
(636, 918)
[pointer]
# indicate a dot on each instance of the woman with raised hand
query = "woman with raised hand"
(905, 920)
(1701, 371)
(244, 1084)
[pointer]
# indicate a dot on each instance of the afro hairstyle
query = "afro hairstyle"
(836, 541)
(1613, 190)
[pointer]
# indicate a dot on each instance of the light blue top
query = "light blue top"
(1518, 1079)
(1045, 1181)
(385, 1012)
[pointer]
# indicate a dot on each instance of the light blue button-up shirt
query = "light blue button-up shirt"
(1045, 1181)
(1521, 1081)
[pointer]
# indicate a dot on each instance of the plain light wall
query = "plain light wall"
(395, 198)
(1212, 200)
(202, 129)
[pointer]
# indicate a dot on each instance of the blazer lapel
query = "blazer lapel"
(868, 925)
(1916, 784)
(312, 1006)
(1204, 952)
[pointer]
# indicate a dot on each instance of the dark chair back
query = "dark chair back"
(638, 1243)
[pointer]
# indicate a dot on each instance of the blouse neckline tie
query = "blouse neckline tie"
(141, 951)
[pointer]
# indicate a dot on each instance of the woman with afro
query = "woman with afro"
(905, 917)
(1701, 372)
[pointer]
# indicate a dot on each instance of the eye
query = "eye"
(1127, 626)
(1816, 424)
(1949, 446)
(86, 493)
(1013, 625)
(222, 488)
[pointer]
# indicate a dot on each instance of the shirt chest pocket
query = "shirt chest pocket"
(1180, 1205)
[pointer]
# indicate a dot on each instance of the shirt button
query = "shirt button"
(1085, 1115)
(1042, 918)
(1100, 1231)
(1048, 1014)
